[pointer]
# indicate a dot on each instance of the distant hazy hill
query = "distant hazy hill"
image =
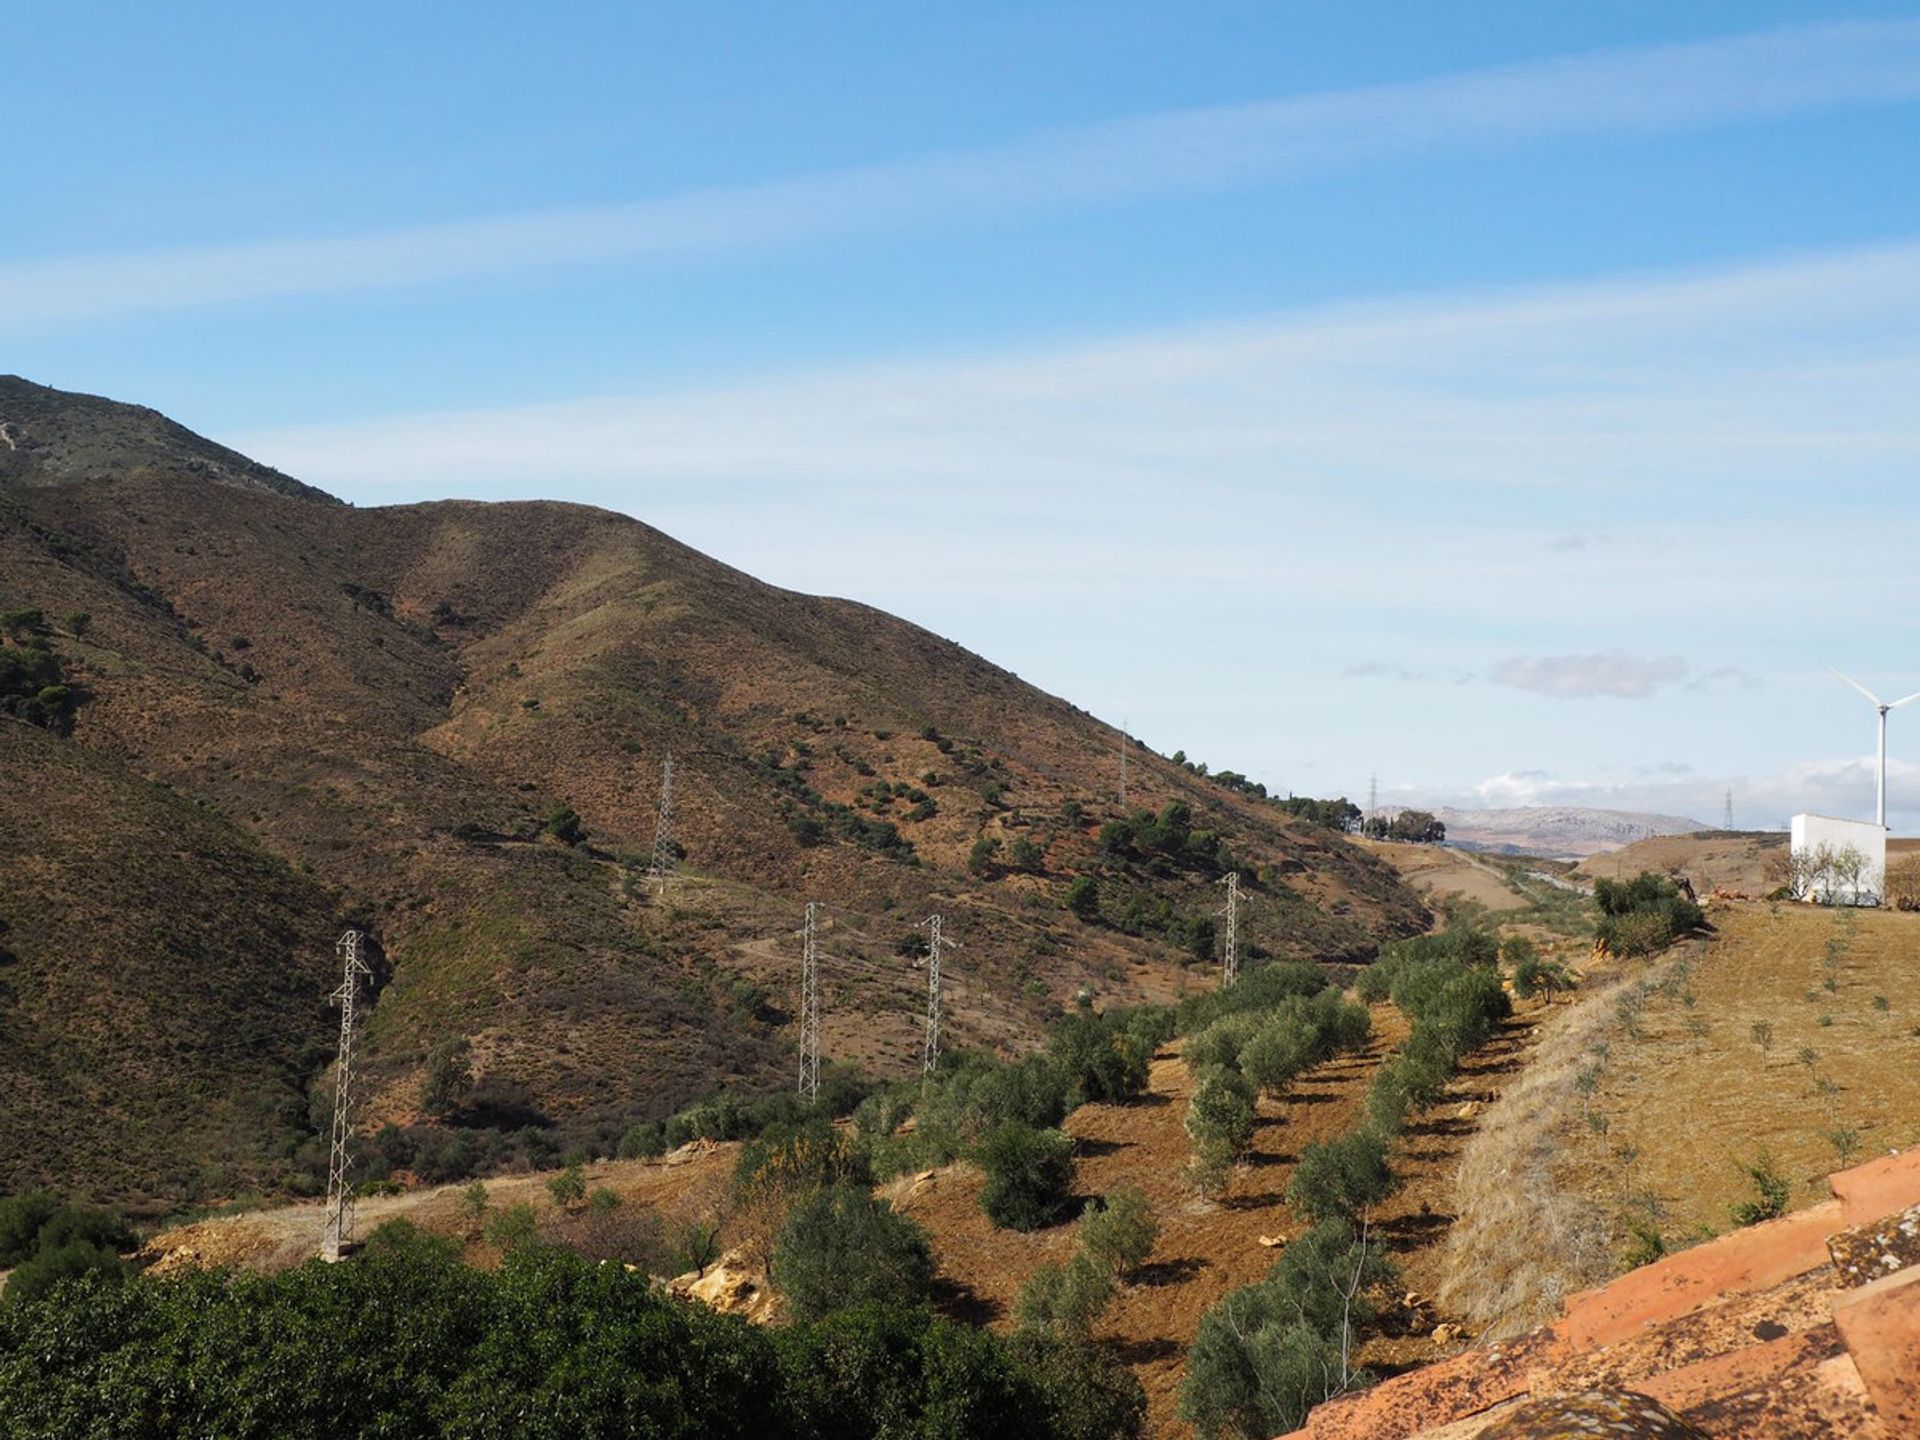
(1557, 831)
(299, 714)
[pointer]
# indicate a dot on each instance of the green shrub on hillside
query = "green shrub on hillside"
(1269, 1352)
(546, 1346)
(1644, 914)
(1029, 1175)
(842, 1247)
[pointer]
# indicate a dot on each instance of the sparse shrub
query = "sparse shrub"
(1026, 856)
(569, 1187)
(1119, 1232)
(1083, 898)
(981, 858)
(1645, 1244)
(843, 1247)
(563, 823)
(1029, 1175)
(1762, 1033)
(513, 1227)
(1064, 1302)
(1644, 914)
(473, 1205)
(1770, 1192)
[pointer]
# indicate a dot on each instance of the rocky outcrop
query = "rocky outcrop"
(1803, 1328)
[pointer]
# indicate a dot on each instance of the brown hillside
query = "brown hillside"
(392, 700)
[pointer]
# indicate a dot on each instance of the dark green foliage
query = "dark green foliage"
(1267, 1353)
(1083, 898)
(1029, 1175)
(1261, 988)
(1098, 1057)
(1341, 814)
(1026, 856)
(405, 1341)
(563, 823)
(1644, 914)
(448, 1077)
(43, 1241)
(1342, 1178)
(1167, 840)
(33, 684)
(1416, 827)
(981, 858)
(842, 1247)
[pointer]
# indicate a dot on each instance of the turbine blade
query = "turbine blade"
(1858, 686)
(1908, 701)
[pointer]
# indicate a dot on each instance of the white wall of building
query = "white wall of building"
(1811, 832)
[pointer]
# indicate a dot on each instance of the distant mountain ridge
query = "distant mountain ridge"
(1557, 831)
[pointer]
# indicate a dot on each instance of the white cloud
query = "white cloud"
(1647, 90)
(1611, 673)
(1761, 802)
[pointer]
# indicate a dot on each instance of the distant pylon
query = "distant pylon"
(660, 869)
(809, 1009)
(1729, 824)
(937, 944)
(1373, 795)
(339, 1226)
(1230, 964)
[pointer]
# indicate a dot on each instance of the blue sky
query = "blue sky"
(1518, 401)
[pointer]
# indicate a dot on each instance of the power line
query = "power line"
(339, 1227)
(809, 1008)
(661, 866)
(1230, 969)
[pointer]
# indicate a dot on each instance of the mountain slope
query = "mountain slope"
(394, 701)
(1559, 831)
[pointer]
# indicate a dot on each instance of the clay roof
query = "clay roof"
(1801, 1328)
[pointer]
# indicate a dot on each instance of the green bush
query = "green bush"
(405, 1340)
(569, 1187)
(44, 1241)
(1083, 898)
(842, 1247)
(1770, 1192)
(1221, 1110)
(1267, 1353)
(513, 1228)
(1098, 1057)
(1339, 1179)
(1065, 1301)
(1029, 1175)
(1644, 914)
(1119, 1232)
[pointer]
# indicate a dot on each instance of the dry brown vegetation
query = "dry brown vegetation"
(390, 702)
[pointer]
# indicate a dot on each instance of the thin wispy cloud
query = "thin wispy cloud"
(1746, 375)
(1612, 674)
(1628, 91)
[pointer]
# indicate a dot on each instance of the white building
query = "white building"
(1839, 862)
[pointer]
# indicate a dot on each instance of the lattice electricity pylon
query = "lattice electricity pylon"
(937, 945)
(1230, 964)
(339, 1227)
(809, 1009)
(660, 869)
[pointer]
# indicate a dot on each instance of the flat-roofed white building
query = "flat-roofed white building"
(1839, 862)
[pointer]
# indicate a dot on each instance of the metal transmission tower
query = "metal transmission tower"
(660, 869)
(1373, 795)
(937, 944)
(1230, 967)
(1729, 824)
(339, 1229)
(809, 1009)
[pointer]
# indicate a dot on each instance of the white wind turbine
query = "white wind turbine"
(1883, 706)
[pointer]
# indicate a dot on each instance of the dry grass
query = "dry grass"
(1837, 1081)
(1522, 1241)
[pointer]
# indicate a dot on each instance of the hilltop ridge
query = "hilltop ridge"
(402, 705)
